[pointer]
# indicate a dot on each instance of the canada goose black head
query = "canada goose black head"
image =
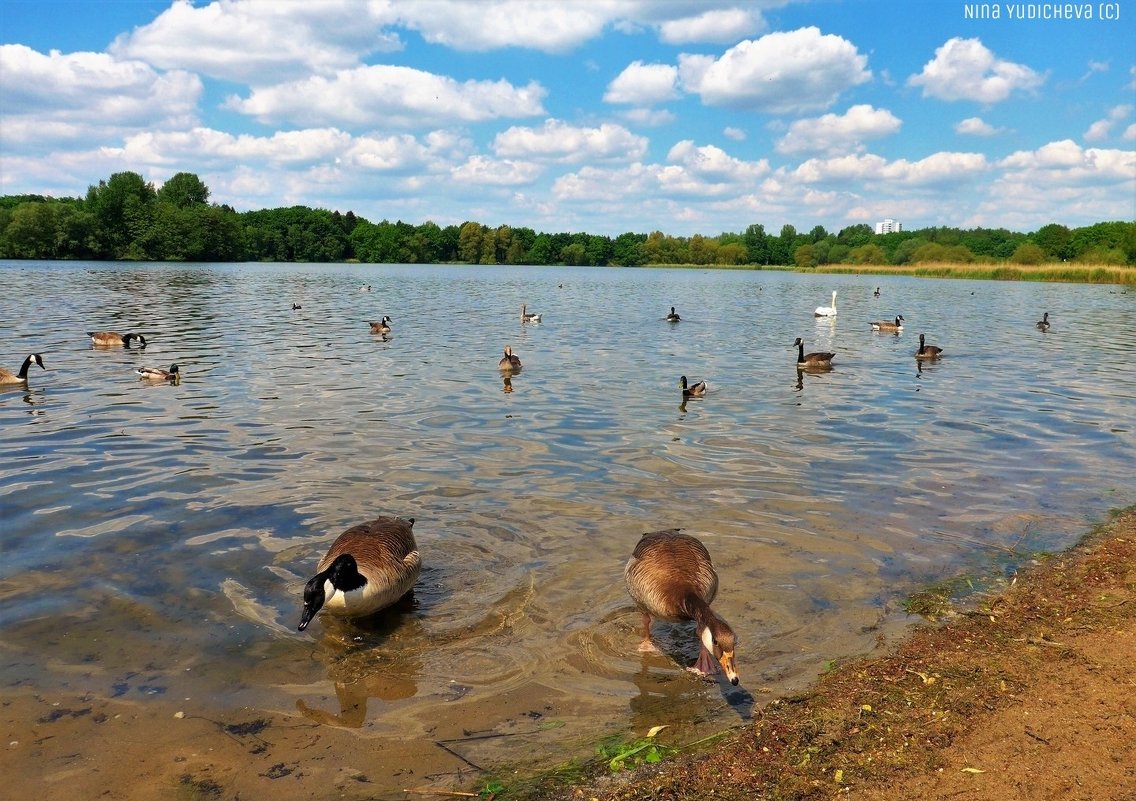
(8, 377)
(342, 575)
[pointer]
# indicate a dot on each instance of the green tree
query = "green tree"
(183, 191)
(469, 243)
(120, 206)
(1054, 240)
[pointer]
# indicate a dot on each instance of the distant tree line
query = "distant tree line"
(126, 218)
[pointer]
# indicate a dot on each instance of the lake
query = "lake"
(156, 538)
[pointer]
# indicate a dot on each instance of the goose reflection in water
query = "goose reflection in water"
(507, 380)
(364, 663)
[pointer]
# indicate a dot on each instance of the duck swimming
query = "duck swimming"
(158, 374)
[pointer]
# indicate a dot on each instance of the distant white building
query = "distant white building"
(888, 226)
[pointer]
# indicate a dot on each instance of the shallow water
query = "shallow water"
(156, 538)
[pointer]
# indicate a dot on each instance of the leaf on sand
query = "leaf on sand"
(972, 770)
(655, 730)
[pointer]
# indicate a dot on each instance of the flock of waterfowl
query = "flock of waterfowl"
(101, 339)
(670, 575)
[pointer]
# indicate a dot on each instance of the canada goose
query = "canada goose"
(670, 577)
(115, 338)
(296, 307)
(382, 326)
(158, 374)
(927, 351)
(818, 359)
(886, 325)
(527, 316)
(8, 377)
(367, 568)
(673, 316)
(510, 361)
(1043, 323)
(827, 311)
(692, 390)
(877, 292)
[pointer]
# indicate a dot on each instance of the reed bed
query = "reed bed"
(1058, 272)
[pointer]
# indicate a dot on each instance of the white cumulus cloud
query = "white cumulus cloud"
(780, 73)
(965, 69)
(643, 84)
(558, 141)
(716, 25)
(55, 97)
(839, 133)
(388, 95)
(975, 126)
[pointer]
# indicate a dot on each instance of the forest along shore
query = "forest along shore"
(1029, 694)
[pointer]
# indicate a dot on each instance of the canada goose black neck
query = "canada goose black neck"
(21, 377)
(1043, 323)
(673, 316)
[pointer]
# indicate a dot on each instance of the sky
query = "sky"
(601, 116)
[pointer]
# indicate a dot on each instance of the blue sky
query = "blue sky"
(602, 116)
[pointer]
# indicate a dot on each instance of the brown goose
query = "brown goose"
(673, 317)
(817, 359)
(1043, 323)
(528, 316)
(670, 577)
(927, 351)
(510, 361)
(887, 325)
(8, 377)
(692, 390)
(367, 568)
(105, 338)
(382, 326)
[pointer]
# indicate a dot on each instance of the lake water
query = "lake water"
(156, 538)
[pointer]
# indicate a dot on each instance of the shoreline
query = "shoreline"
(1027, 695)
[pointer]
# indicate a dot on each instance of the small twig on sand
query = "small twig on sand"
(428, 791)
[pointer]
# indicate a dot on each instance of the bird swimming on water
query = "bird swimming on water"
(8, 377)
(367, 568)
(673, 316)
(510, 361)
(815, 359)
(827, 311)
(1043, 323)
(692, 390)
(927, 351)
(888, 325)
(158, 374)
(671, 577)
(105, 338)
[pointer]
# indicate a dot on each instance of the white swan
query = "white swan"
(827, 311)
